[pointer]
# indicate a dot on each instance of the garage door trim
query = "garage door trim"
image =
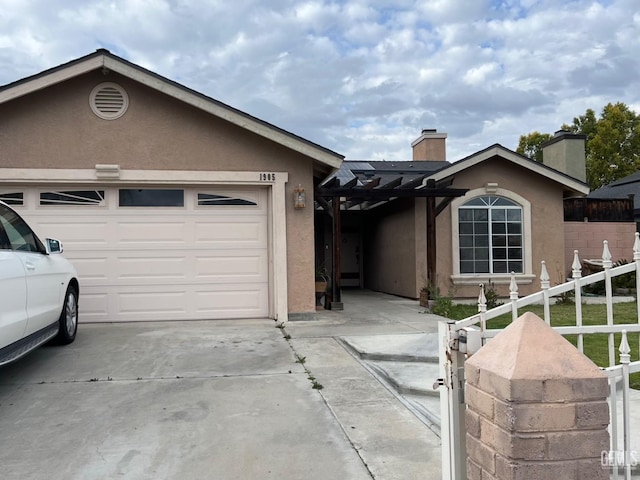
(276, 208)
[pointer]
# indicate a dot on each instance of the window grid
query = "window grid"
(209, 199)
(12, 198)
(72, 197)
(490, 230)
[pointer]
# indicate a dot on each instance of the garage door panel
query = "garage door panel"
(92, 270)
(154, 303)
(165, 263)
(93, 306)
(232, 266)
(148, 267)
(147, 304)
(151, 232)
(80, 233)
(232, 301)
(245, 232)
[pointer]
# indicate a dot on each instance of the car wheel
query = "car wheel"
(68, 318)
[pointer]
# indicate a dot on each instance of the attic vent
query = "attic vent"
(108, 101)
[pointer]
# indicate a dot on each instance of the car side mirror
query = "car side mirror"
(52, 245)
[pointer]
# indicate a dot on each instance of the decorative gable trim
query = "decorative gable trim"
(566, 181)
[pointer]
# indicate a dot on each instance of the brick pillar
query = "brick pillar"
(536, 408)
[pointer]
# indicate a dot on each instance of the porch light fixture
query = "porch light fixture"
(299, 198)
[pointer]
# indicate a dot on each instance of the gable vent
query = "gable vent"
(109, 101)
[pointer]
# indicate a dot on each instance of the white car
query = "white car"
(38, 290)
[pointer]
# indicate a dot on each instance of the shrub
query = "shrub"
(442, 306)
(628, 280)
(491, 294)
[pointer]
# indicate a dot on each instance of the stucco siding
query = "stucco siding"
(420, 222)
(55, 128)
(390, 250)
(547, 224)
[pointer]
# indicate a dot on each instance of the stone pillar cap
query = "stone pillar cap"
(530, 349)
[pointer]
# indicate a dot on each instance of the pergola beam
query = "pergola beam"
(381, 194)
(372, 193)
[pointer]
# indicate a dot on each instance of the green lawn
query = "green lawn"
(595, 346)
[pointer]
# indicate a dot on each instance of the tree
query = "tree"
(613, 143)
(530, 145)
(612, 147)
(586, 124)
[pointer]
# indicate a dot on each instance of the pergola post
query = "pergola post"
(336, 295)
(431, 245)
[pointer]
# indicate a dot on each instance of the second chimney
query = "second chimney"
(431, 145)
(565, 152)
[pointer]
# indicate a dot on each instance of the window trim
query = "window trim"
(223, 200)
(13, 202)
(458, 278)
(122, 189)
(71, 194)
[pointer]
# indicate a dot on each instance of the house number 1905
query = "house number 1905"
(267, 177)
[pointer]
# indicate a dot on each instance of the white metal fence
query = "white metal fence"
(458, 339)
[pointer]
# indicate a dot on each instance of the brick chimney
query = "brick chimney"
(430, 146)
(565, 152)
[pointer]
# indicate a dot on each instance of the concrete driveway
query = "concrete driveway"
(190, 400)
(215, 400)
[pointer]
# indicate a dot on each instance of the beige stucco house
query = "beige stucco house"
(174, 206)
(509, 220)
(171, 204)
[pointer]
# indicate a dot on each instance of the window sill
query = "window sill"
(498, 279)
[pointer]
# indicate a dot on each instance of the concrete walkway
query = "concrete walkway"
(391, 439)
(407, 361)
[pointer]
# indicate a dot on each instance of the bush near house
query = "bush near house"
(595, 346)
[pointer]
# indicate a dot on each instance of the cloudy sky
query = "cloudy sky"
(361, 77)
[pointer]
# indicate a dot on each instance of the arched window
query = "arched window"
(490, 230)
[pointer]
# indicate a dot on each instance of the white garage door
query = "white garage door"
(160, 253)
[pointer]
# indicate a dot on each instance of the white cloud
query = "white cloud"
(480, 74)
(362, 77)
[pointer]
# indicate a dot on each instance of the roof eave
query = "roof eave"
(50, 78)
(103, 59)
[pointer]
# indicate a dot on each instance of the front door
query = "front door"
(351, 259)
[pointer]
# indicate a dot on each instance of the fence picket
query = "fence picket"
(576, 270)
(606, 264)
(482, 308)
(636, 259)
(513, 295)
(545, 284)
(455, 449)
(625, 359)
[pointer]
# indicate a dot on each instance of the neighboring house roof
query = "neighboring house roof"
(568, 182)
(621, 188)
(103, 59)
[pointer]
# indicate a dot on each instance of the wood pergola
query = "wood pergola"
(331, 196)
